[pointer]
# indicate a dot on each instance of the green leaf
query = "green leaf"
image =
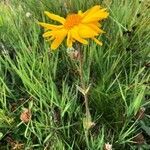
(1, 135)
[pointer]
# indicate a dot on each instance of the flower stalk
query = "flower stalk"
(84, 89)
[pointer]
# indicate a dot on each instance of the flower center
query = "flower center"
(72, 20)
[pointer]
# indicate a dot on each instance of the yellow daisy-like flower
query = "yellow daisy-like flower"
(76, 27)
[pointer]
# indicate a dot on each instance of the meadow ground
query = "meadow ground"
(45, 85)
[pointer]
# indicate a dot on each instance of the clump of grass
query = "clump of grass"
(32, 77)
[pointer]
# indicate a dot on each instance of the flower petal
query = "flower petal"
(75, 35)
(80, 12)
(50, 26)
(55, 17)
(95, 27)
(86, 31)
(91, 11)
(50, 39)
(98, 42)
(69, 40)
(99, 15)
(47, 34)
(59, 37)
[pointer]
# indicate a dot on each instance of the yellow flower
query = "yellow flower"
(76, 27)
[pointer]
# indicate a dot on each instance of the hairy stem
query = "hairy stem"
(83, 86)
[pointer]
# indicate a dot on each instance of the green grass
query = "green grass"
(45, 82)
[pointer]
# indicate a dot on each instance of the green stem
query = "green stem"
(83, 86)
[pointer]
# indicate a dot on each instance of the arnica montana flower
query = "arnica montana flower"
(76, 27)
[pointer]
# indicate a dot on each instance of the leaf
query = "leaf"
(145, 128)
(83, 91)
(1, 135)
(87, 123)
(80, 89)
